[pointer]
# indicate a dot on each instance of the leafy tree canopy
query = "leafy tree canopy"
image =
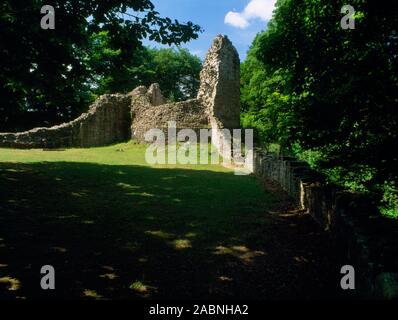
(312, 86)
(48, 74)
(176, 70)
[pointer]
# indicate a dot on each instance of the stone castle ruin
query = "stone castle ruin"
(116, 118)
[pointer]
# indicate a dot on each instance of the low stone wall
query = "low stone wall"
(367, 241)
(146, 115)
(107, 121)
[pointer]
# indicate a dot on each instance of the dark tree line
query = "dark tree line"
(328, 94)
(50, 76)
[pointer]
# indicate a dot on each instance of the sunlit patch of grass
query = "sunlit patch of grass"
(108, 268)
(133, 154)
(223, 250)
(13, 284)
(91, 294)
(109, 276)
(242, 249)
(138, 286)
(160, 234)
(127, 186)
(71, 216)
(143, 289)
(300, 259)
(181, 244)
(59, 249)
(191, 235)
(225, 279)
(142, 194)
(88, 222)
(14, 170)
(76, 194)
(241, 252)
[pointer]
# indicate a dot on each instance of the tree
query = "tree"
(265, 106)
(176, 71)
(340, 86)
(46, 75)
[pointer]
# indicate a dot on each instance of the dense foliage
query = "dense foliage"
(176, 70)
(47, 76)
(330, 94)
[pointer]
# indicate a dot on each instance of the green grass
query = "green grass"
(130, 153)
(95, 202)
(119, 174)
(114, 227)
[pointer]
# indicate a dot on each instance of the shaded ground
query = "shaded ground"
(133, 232)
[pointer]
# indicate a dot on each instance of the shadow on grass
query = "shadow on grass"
(131, 232)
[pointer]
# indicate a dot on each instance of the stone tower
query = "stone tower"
(116, 118)
(219, 90)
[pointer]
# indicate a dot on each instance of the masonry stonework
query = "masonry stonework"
(117, 118)
(219, 90)
(365, 239)
(107, 121)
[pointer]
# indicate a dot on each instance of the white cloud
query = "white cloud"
(255, 9)
(236, 19)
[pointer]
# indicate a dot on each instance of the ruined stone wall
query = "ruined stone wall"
(217, 105)
(116, 118)
(107, 121)
(367, 241)
(146, 115)
(219, 90)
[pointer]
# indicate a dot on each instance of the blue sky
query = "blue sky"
(240, 20)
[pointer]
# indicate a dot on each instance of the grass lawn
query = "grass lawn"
(114, 227)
